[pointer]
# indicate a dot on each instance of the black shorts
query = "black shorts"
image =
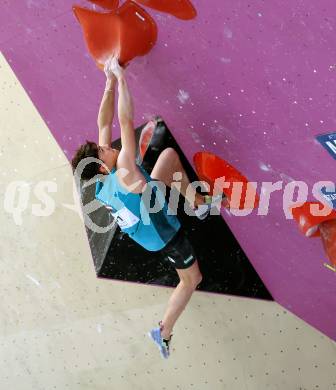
(179, 251)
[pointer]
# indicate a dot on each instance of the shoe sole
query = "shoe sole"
(156, 343)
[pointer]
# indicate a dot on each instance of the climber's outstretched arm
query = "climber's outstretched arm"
(106, 109)
(127, 155)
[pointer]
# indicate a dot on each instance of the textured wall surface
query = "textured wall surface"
(252, 81)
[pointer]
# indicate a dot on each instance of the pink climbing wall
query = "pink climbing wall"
(252, 81)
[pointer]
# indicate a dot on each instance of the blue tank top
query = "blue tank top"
(152, 230)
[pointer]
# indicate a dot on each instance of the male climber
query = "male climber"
(123, 194)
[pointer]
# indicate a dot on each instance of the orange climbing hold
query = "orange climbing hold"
(138, 31)
(129, 28)
(308, 223)
(108, 4)
(101, 32)
(323, 226)
(211, 168)
(182, 9)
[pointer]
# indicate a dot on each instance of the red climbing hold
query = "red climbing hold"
(210, 168)
(129, 27)
(318, 225)
(138, 31)
(182, 9)
(107, 4)
(309, 223)
(101, 32)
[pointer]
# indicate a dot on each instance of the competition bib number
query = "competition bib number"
(125, 218)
